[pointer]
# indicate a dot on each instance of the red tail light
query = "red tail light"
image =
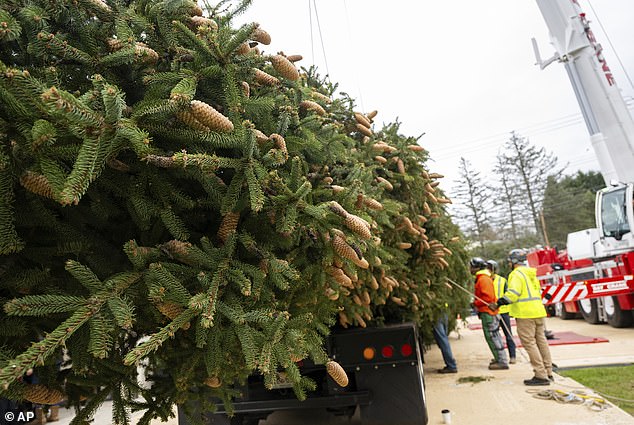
(387, 351)
(406, 350)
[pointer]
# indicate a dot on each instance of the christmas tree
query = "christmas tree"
(171, 194)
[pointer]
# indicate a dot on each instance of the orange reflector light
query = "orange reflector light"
(369, 353)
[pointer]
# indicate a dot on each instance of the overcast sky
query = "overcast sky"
(461, 71)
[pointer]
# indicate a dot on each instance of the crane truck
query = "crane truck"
(594, 276)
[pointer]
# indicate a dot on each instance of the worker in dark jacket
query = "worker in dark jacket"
(485, 295)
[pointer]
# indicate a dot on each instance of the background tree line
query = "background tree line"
(524, 199)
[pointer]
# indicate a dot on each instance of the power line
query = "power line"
(323, 47)
(607, 37)
(531, 130)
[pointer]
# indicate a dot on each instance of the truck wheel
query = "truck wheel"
(589, 311)
(617, 317)
(560, 311)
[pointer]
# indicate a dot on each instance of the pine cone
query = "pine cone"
(309, 105)
(266, 79)
(342, 248)
(373, 204)
(337, 373)
(147, 54)
(444, 200)
(279, 142)
(415, 148)
(228, 225)
(170, 310)
(340, 276)
(360, 320)
(294, 58)
(189, 119)
(338, 209)
(213, 382)
(114, 44)
(176, 248)
(380, 159)
(259, 136)
(243, 49)
(404, 245)
(426, 208)
(37, 184)
(196, 10)
(209, 117)
(400, 166)
(41, 394)
(246, 89)
(318, 96)
(101, 5)
(200, 21)
(261, 36)
(371, 115)
(364, 130)
(358, 226)
(383, 182)
(436, 176)
(285, 67)
(373, 283)
(397, 301)
(361, 119)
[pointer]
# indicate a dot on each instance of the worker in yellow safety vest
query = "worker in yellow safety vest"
(500, 286)
(524, 296)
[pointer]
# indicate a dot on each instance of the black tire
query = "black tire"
(561, 312)
(617, 318)
(589, 311)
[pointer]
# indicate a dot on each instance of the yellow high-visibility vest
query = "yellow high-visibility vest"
(500, 285)
(524, 293)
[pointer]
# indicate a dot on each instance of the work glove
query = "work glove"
(493, 306)
(503, 301)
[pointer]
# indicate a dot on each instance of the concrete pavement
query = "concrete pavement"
(504, 398)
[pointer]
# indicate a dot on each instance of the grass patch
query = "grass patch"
(473, 379)
(609, 382)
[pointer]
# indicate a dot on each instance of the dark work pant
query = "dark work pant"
(508, 333)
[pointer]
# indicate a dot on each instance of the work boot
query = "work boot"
(513, 360)
(498, 366)
(536, 381)
(447, 369)
(53, 414)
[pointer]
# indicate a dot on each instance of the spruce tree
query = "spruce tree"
(171, 193)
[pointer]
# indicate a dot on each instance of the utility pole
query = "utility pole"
(541, 218)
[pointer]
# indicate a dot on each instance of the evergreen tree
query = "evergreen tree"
(475, 199)
(170, 193)
(569, 205)
(505, 199)
(530, 168)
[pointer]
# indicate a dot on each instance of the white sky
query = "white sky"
(461, 71)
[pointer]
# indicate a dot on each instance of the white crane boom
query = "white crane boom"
(605, 113)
